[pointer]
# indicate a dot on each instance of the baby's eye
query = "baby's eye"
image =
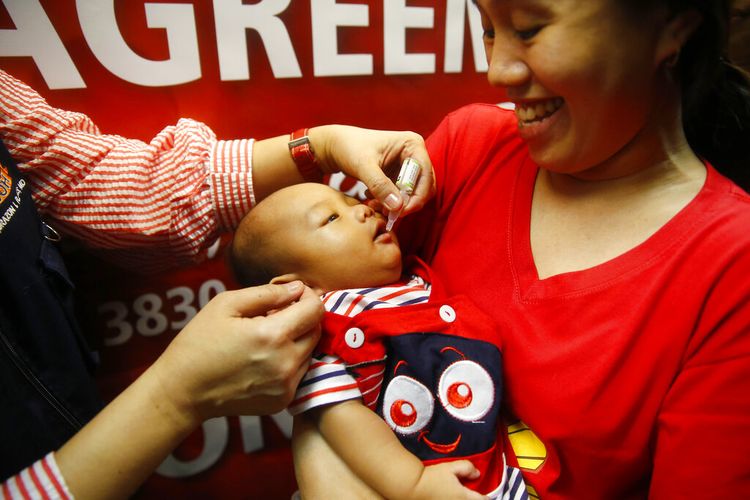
(332, 218)
(528, 34)
(488, 34)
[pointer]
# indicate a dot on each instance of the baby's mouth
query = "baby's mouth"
(379, 227)
(533, 112)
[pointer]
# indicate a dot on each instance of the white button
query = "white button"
(447, 313)
(354, 338)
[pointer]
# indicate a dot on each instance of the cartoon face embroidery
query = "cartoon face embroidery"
(442, 394)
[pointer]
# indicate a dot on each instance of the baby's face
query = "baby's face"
(333, 241)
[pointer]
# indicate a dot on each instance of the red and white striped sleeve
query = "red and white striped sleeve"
(42, 480)
(326, 382)
(168, 198)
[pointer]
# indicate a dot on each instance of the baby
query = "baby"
(393, 342)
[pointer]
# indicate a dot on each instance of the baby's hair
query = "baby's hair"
(251, 259)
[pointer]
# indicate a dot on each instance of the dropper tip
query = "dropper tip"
(391, 220)
(395, 214)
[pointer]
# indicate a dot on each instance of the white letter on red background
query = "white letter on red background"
(99, 26)
(233, 18)
(215, 439)
(35, 37)
(396, 18)
(454, 36)
(327, 16)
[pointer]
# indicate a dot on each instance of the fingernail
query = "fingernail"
(293, 286)
(392, 201)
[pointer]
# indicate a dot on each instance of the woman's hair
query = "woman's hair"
(715, 92)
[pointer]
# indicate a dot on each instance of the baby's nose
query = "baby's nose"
(363, 211)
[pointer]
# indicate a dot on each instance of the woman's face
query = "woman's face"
(582, 74)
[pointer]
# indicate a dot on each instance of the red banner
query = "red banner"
(247, 69)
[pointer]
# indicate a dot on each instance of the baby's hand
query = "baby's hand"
(443, 481)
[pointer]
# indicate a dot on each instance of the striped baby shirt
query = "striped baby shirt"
(329, 380)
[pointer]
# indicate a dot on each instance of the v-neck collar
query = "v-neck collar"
(530, 288)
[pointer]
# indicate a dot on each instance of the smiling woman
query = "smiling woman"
(605, 222)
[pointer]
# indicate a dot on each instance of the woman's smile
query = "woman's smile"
(535, 118)
(530, 112)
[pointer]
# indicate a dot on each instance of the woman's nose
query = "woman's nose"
(506, 68)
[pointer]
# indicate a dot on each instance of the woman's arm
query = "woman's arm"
(364, 154)
(702, 436)
(170, 197)
(232, 358)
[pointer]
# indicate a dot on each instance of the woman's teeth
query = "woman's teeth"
(531, 112)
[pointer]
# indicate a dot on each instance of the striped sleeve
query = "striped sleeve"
(514, 487)
(42, 480)
(169, 197)
(326, 382)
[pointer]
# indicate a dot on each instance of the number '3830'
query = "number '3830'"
(152, 314)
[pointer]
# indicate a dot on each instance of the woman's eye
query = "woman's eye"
(528, 34)
(332, 218)
(488, 34)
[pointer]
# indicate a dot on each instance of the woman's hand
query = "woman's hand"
(243, 353)
(374, 157)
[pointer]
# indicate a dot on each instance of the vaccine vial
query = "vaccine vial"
(405, 182)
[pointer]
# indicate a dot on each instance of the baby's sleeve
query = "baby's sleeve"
(327, 381)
